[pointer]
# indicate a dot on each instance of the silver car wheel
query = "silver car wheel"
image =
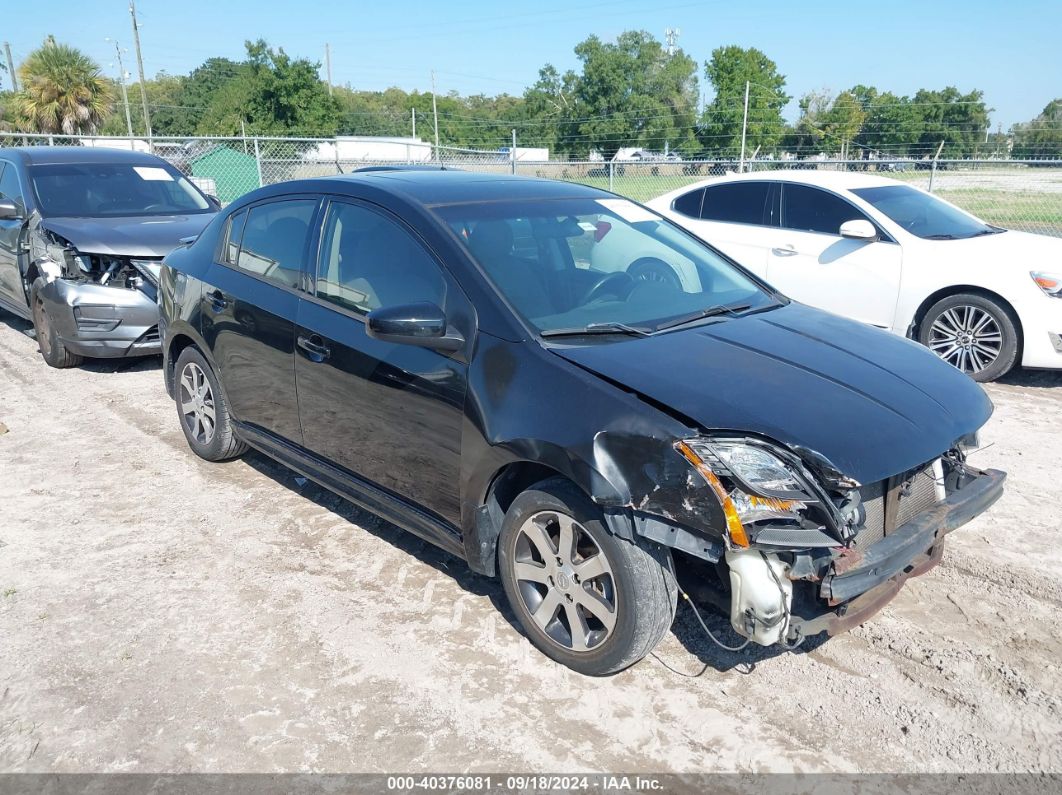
(565, 581)
(967, 337)
(197, 403)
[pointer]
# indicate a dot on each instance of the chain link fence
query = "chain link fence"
(1024, 195)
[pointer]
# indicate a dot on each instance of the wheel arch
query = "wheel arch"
(957, 289)
(507, 482)
(176, 342)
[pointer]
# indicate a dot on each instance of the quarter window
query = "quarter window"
(369, 261)
(689, 204)
(813, 210)
(273, 245)
(230, 245)
(737, 203)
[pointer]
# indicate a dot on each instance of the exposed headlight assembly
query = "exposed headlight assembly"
(753, 484)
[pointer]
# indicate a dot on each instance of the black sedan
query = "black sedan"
(447, 350)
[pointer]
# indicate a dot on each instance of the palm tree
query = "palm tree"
(63, 91)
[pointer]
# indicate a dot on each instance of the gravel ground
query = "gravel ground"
(159, 613)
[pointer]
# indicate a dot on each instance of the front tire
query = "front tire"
(587, 599)
(973, 333)
(202, 409)
(51, 347)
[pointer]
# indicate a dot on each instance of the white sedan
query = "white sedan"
(891, 255)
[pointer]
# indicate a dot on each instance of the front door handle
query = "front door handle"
(784, 251)
(314, 347)
(217, 300)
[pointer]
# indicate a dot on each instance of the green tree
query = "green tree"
(62, 91)
(630, 92)
(270, 93)
(1041, 137)
(842, 122)
(169, 116)
(949, 116)
(728, 71)
(891, 125)
(807, 136)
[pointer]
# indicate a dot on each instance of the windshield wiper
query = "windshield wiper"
(596, 328)
(702, 314)
(989, 230)
(944, 236)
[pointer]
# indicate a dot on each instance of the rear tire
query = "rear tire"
(973, 333)
(51, 347)
(587, 599)
(202, 409)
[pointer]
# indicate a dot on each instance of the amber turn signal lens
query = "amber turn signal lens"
(734, 528)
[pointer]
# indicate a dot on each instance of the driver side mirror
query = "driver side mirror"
(422, 324)
(859, 229)
(9, 210)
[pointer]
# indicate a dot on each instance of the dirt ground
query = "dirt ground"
(162, 614)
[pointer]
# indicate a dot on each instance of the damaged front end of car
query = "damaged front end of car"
(799, 547)
(100, 305)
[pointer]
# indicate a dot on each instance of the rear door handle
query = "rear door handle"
(314, 347)
(784, 251)
(218, 300)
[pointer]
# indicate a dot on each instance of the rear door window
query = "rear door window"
(808, 209)
(275, 238)
(738, 203)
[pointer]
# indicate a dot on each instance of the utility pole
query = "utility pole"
(123, 75)
(435, 113)
(328, 66)
(671, 36)
(11, 67)
(140, 69)
(512, 152)
(744, 128)
(413, 117)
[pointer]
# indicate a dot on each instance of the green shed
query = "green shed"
(234, 173)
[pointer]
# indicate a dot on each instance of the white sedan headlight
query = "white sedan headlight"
(1048, 282)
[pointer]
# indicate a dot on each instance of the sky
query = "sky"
(1010, 51)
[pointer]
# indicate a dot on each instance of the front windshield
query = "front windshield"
(570, 264)
(109, 190)
(923, 215)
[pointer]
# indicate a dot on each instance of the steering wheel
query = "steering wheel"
(619, 284)
(153, 207)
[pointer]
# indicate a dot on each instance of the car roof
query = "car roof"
(448, 186)
(39, 155)
(831, 180)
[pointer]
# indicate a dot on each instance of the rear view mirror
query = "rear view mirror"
(423, 324)
(9, 210)
(860, 229)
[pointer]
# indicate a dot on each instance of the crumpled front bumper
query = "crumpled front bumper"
(99, 321)
(859, 586)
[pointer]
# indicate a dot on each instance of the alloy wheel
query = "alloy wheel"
(565, 581)
(967, 337)
(197, 403)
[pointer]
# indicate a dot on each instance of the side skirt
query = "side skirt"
(360, 492)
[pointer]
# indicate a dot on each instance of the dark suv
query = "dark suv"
(82, 234)
(439, 348)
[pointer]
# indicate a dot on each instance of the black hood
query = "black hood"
(142, 236)
(872, 403)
